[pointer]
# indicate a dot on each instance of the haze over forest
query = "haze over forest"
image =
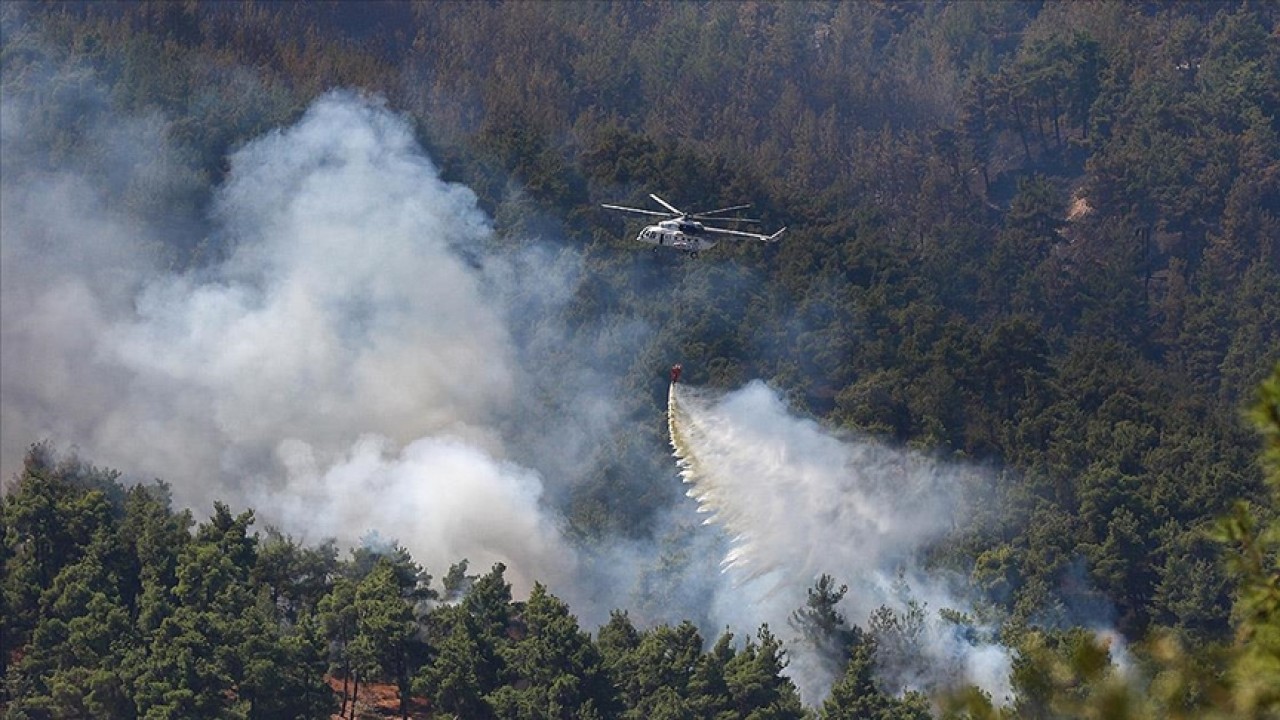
(322, 369)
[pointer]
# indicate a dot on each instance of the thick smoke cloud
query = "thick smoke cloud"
(342, 304)
(72, 258)
(448, 498)
(799, 502)
(343, 368)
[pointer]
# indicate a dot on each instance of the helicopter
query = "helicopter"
(685, 231)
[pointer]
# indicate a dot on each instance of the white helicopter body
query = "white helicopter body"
(683, 231)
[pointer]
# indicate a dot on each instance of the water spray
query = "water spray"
(799, 501)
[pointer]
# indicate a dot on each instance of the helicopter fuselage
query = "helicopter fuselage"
(685, 235)
(682, 231)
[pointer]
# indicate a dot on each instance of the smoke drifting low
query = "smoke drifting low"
(343, 368)
(446, 497)
(799, 502)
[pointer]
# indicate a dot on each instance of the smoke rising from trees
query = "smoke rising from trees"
(343, 367)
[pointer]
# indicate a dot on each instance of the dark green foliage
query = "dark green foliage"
(462, 670)
(1253, 540)
(616, 639)
(659, 670)
(857, 695)
(899, 641)
(821, 624)
(337, 622)
(285, 668)
(755, 683)
(385, 644)
(140, 617)
(554, 669)
(467, 642)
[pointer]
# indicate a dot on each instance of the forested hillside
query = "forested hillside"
(1039, 241)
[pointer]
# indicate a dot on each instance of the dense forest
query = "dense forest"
(1037, 239)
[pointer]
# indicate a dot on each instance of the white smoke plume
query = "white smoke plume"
(449, 498)
(344, 367)
(799, 502)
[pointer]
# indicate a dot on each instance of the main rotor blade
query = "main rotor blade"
(636, 210)
(739, 233)
(723, 219)
(721, 210)
(666, 204)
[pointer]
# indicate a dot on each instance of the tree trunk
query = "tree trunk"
(346, 677)
(1022, 129)
(4, 665)
(1026, 147)
(402, 677)
(1057, 133)
(355, 693)
(1039, 113)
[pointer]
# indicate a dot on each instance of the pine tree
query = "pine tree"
(856, 696)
